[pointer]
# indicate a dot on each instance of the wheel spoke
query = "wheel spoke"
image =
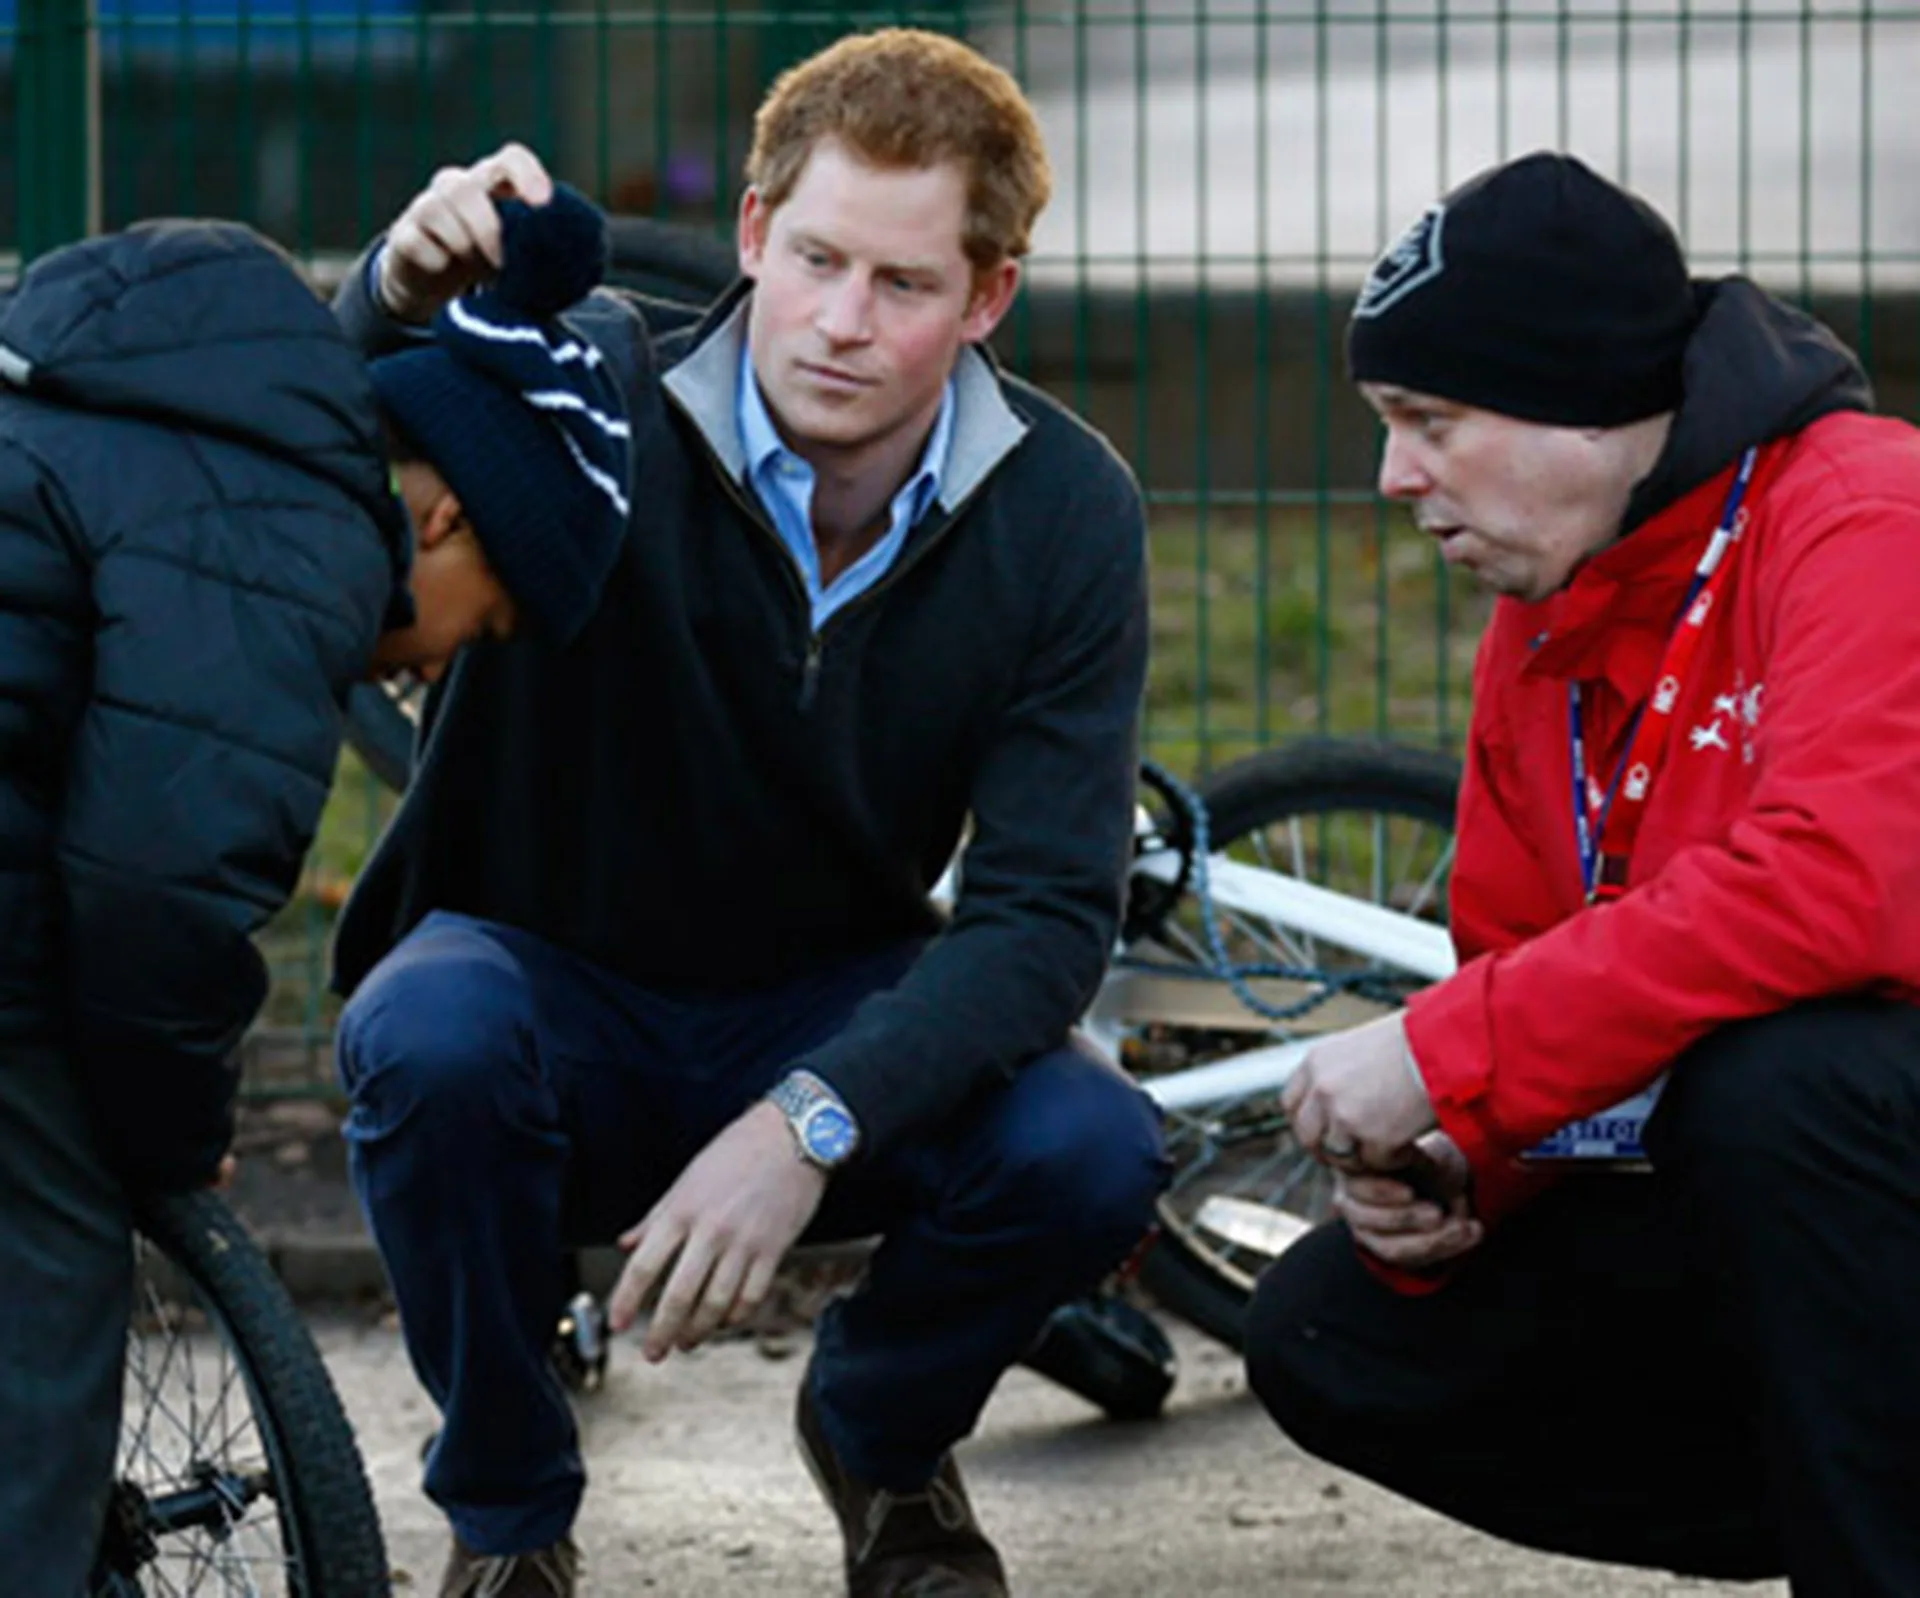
(193, 1451)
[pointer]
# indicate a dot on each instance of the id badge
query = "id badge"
(1613, 1137)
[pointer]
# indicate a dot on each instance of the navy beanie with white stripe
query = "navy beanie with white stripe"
(521, 416)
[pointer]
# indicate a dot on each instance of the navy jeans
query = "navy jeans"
(66, 1288)
(509, 1099)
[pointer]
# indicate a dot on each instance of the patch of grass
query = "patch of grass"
(1276, 622)
(295, 941)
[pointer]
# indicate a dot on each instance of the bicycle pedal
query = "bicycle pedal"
(1109, 1352)
(580, 1344)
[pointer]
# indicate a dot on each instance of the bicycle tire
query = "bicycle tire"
(669, 261)
(673, 261)
(1205, 1281)
(323, 1518)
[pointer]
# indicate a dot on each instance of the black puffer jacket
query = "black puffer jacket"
(197, 548)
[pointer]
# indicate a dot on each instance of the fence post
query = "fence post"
(57, 123)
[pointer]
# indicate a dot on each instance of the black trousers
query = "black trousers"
(1712, 1369)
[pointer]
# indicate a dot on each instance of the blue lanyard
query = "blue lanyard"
(1588, 827)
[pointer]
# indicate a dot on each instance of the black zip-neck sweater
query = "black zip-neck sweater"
(703, 794)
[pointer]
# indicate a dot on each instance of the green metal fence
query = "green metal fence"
(1225, 173)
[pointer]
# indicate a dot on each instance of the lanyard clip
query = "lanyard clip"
(1609, 879)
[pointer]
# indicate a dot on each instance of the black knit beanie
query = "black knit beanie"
(1536, 289)
(521, 416)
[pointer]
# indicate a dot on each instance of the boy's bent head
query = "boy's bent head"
(508, 433)
(901, 98)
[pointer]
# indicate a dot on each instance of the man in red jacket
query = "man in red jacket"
(1688, 864)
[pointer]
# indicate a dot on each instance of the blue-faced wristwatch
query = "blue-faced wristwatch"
(823, 1127)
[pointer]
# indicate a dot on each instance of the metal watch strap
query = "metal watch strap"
(804, 1100)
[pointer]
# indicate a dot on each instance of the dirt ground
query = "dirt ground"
(696, 1490)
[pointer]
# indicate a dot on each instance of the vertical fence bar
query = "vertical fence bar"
(186, 130)
(1083, 181)
(603, 107)
(1623, 90)
(1196, 278)
(1020, 323)
(1323, 362)
(1806, 158)
(1866, 192)
(119, 130)
(246, 134)
(306, 123)
(1263, 378)
(1683, 51)
(1262, 643)
(1744, 142)
(1142, 280)
(57, 123)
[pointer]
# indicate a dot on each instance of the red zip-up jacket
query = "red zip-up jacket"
(1779, 858)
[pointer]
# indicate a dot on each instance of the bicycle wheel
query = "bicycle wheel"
(1373, 821)
(237, 1470)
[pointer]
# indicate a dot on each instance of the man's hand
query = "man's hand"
(721, 1230)
(1417, 1218)
(1356, 1101)
(448, 238)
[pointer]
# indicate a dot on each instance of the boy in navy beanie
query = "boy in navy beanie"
(510, 446)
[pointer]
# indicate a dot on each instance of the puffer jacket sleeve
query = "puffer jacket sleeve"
(224, 640)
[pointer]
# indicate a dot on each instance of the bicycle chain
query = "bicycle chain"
(1368, 983)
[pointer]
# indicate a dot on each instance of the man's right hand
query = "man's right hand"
(1413, 1221)
(448, 238)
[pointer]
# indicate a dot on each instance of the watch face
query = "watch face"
(829, 1134)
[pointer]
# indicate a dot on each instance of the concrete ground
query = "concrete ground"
(696, 1490)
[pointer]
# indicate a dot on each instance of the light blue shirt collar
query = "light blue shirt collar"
(785, 484)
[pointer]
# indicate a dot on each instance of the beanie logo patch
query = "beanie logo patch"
(1416, 259)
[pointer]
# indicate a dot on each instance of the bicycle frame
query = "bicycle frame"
(1357, 926)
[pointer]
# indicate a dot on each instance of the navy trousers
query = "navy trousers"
(66, 1289)
(1713, 1369)
(510, 1098)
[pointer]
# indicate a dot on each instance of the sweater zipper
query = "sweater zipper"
(817, 641)
(796, 579)
(817, 638)
(935, 536)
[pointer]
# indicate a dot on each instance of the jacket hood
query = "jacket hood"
(1756, 369)
(207, 327)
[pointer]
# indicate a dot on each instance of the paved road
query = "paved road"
(697, 1492)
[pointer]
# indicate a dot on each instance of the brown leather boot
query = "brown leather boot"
(551, 1572)
(923, 1544)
